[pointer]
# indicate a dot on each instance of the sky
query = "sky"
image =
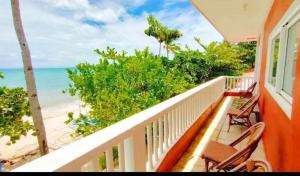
(63, 33)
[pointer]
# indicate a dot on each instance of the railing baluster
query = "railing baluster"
(96, 165)
(186, 115)
(91, 166)
(177, 122)
(155, 140)
(165, 131)
(191, 111)
(248, 82)
(169, 129)
(149, 146)
(160, 134)
(238, 87)
(226, 84)
(234, 83)
(231, 83)
(173, 126)
(109, 160)
(195, 109)
(121, 156)
(181, 118)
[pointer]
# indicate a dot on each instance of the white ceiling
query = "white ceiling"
(236, 20)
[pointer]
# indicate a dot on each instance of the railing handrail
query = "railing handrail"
(76, 152)
(239, 76)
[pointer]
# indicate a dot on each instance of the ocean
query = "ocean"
(50, 83)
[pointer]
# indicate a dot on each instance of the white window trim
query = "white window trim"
(283, 100)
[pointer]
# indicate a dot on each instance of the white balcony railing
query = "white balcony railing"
(238, 83)
(143, 139)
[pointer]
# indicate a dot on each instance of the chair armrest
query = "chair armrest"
(243, 136)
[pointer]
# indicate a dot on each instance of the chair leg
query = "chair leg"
(206, 164)
(229, 124)
(249, 122)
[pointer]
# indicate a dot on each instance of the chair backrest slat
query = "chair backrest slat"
(251, 88)
(246, 111)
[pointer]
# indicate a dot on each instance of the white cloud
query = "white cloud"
(57, 36)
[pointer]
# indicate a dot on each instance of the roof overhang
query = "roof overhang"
(236, 20)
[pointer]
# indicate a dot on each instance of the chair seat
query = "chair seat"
(218, 152)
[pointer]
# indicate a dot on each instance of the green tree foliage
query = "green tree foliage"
(121, 85)
(247, 53)
(217, 59)
(13, 106)
(171, 36)
(116, 90)
(223, 59)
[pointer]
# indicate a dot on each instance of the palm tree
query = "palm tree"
(156, 30)
(30, 81)
(171, 36)
(162, 34)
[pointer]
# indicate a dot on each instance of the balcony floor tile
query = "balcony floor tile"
(191, 160)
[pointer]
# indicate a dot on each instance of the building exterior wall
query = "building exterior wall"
(282, 135)
(296, 120)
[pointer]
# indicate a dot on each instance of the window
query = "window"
(282, 58)
(291, 58)
(275, 54)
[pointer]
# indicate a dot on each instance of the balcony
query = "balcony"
(154, 139)
(214, 129)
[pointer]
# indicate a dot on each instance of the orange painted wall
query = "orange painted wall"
(281, 133)
(296, 119)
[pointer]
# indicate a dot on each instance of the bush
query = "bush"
(13, 106)
(116, 89)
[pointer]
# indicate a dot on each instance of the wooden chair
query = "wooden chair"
(224, 157)
(241, 115)
(253, 166)
(248, 92)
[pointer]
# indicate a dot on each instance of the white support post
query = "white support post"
(135, 152)
(91, 166)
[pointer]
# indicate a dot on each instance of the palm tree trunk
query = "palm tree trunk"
(159, 51)
(167, 48)
(30, 81)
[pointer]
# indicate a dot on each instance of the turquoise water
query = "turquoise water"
(50, 84)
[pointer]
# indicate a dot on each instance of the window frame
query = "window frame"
(295, 19)
(291, 17)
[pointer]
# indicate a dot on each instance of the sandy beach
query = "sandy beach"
(58, 133)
